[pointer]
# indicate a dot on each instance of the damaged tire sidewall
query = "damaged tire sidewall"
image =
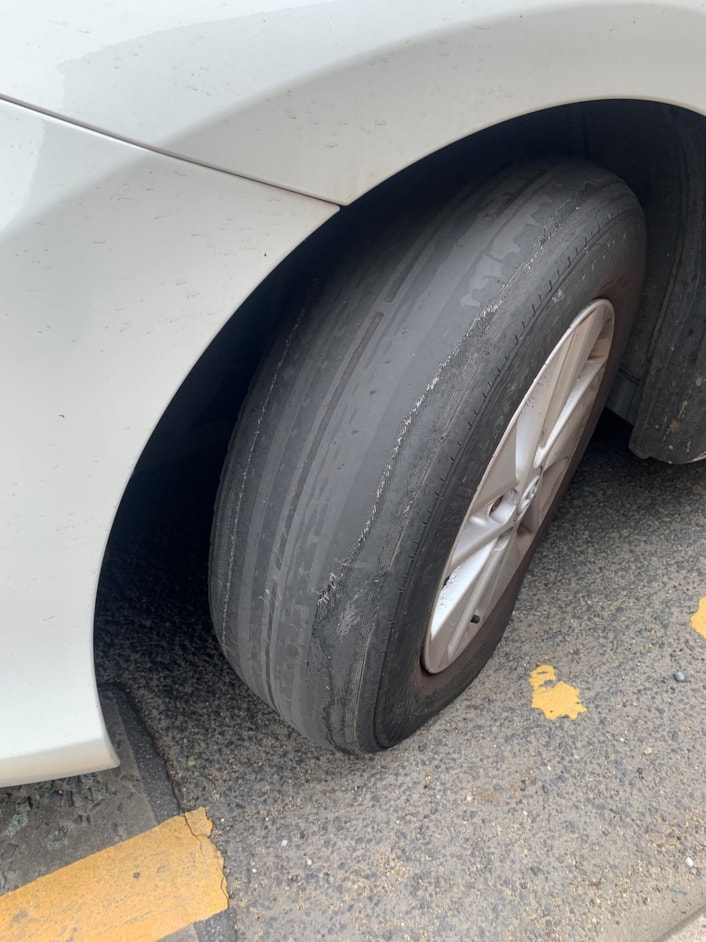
(390, 583)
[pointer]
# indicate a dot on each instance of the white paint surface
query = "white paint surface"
(330, 98)
(117, 269)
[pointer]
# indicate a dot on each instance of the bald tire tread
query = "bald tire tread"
(371, 425)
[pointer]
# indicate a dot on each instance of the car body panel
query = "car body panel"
(118, 266)
(331, 98)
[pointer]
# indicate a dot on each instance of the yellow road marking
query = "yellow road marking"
(698, 619)
(554, 699)
(138, 891)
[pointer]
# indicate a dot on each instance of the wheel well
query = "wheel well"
(658, 151)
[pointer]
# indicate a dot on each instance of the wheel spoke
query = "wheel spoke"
(519, 485)
(477, 533)
(571, 421)
(532, 420)
(499, 574)
(533, 516)
(577, 348)
(501, 475)
(551, 480)
(452, 617)
(469, 588)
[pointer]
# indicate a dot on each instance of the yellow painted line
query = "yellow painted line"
(138, 891)
(554, 698)
(698, 619)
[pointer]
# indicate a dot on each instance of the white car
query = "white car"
(454, 230)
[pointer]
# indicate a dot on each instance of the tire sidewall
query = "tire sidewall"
(395, 695)
(334, 522)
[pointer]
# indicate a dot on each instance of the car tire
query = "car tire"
(435, 397)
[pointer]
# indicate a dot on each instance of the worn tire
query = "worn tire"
(370, 427)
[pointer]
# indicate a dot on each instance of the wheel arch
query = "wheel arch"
(657, 149)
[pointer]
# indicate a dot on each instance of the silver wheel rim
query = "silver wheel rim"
(520, 482)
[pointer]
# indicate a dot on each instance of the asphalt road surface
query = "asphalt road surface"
(493, 823)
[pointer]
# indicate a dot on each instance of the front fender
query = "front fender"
(329, 99)
(118, 266)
